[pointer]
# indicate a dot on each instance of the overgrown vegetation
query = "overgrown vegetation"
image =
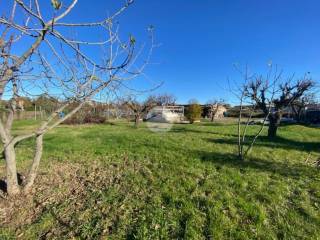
(99, 181)
(88, 114)
(193, 112)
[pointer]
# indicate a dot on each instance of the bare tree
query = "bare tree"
(214, 107)
(55, 61)
(245, 144)
(287, 93)
(271, 95)
(165, 99)
(140, 109)
(299, 105)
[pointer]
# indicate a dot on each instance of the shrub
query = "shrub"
(246, 112)
(85, 117)
(193, 112)
(94, 118)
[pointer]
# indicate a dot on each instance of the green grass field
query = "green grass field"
(113, 181)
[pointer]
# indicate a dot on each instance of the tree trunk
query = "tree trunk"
(212, 117)
(213, 112)
(35, 164)
(272, 130)
(137, 121)
(11, 170)
(297, 113)
(299, 120)
(274, 122)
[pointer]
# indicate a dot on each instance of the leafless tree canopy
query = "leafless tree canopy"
(299, 105)
(272, 95)
(43, 53)
(279, 98)
(139, 109)
(165, 99)
(214, 106)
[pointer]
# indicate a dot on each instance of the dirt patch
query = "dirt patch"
(51, 187)
(71, 194)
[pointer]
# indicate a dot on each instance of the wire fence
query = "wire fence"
(26, 115)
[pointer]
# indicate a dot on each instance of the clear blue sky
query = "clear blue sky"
(202, 39)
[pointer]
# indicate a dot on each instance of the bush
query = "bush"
(94, 119)
(193, 112)
(87, 117)
(235, 111)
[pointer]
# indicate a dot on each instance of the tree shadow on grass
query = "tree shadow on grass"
(285, 169)
(282, 168)
(278, 142)
(215, 124)
(186, 130)
(204, 130)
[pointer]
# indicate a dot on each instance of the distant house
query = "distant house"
(312, 113)
(166, 114)
(313, 107)
(309, 114)
(219, 111)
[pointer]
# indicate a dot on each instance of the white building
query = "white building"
(166, 114)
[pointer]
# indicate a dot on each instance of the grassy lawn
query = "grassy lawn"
(112, 181)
